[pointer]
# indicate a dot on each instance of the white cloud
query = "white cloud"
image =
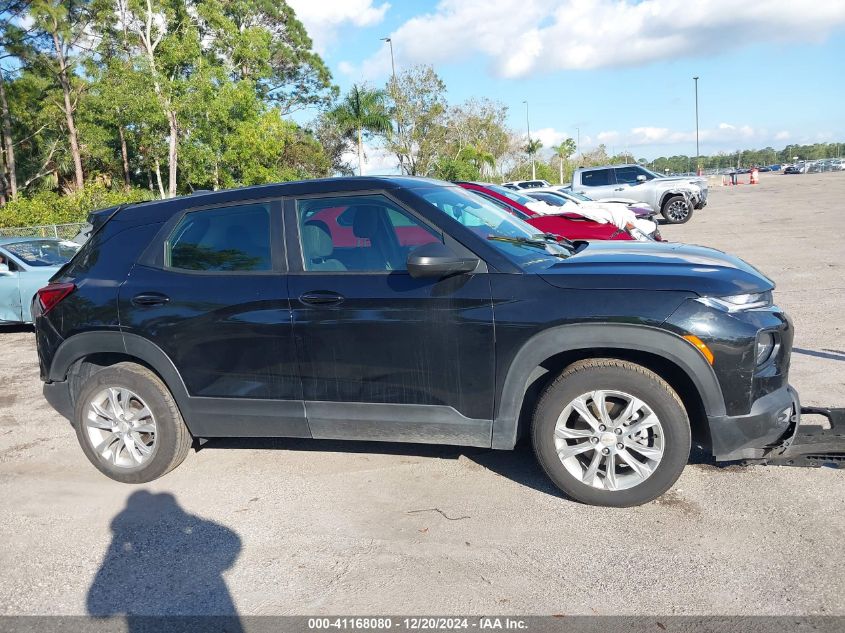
(610, 136)
(322, 18)
(521, 37)
(724, 136)
(549, 136)
(377, 160)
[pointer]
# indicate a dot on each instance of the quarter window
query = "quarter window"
(358, 234)
(230, 239)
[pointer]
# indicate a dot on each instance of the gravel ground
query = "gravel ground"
(299, 527)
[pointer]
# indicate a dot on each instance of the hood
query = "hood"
(657, 266)
(690, 180)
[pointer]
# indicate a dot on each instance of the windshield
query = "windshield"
(549, 198)
(648, 173)
(43, 252)
(510, 194)
(501, 204)
(515, 239)
(577, 196)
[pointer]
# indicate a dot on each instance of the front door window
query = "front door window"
(358, 234)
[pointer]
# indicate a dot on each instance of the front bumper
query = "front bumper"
(773, 434)
(755, 434)
(810, 445)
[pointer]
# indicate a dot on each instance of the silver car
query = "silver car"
(675, 196)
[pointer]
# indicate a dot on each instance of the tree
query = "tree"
(563, 151)
(531, 148)
(467, 165)
(419, 110)
(264, 42)
(9, 34)
(331, 138)
(361, 113)
(59, 30)
(8, 172)
(476, 132)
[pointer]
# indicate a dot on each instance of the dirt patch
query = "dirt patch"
(675, 501)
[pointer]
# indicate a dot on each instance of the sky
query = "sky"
(770, 72)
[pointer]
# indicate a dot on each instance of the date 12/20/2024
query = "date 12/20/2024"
(417, 623)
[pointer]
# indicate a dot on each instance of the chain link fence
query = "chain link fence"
(61, 231)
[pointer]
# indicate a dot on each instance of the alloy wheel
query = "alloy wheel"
(120, 427)
(677, 210)
(608, 439)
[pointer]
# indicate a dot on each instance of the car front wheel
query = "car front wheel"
(676, 210)
(612, 433)
(128, 424)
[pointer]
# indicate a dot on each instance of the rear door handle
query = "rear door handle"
(321, 298)
(148, 299)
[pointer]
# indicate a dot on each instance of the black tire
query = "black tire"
(669, 210)
(617, 375)
(173, 440)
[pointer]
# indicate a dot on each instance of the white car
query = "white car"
(642, 209)
(526, 184)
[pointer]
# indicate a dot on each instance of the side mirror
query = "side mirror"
(438, 260)
(641, 178)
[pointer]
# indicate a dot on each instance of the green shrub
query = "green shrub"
(47, 207)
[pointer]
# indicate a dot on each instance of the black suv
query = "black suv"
(409, 310)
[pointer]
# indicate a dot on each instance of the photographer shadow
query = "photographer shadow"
(164, 568)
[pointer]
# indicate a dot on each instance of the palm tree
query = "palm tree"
(477, 157)
(532, 147)
(563, 152)
(362, 111)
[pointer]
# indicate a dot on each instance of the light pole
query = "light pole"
(395, 89)
(697, 164)
(530, 149)
(392, 63)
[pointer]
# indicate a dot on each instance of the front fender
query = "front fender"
(586, 336)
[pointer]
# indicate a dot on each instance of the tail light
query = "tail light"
(50, 295)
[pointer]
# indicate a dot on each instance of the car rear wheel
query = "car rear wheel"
(612, 433)
(676, 210)
(128, 424)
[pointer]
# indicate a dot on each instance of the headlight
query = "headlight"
(735, 303)
(765, 347)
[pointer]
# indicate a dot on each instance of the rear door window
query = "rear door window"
(227, 239)
(597, 178)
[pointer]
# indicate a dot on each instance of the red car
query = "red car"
(569, 225)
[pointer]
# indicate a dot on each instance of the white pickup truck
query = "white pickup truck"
(675, 196)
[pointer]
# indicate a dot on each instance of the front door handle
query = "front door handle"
(149, 299)
(620, 189)
(321, 298)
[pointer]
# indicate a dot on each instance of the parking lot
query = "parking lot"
(265, 527)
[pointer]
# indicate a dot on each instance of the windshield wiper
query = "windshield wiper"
(540, 240)
(557, 239)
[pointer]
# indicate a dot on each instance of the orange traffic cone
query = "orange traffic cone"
(755, 177)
